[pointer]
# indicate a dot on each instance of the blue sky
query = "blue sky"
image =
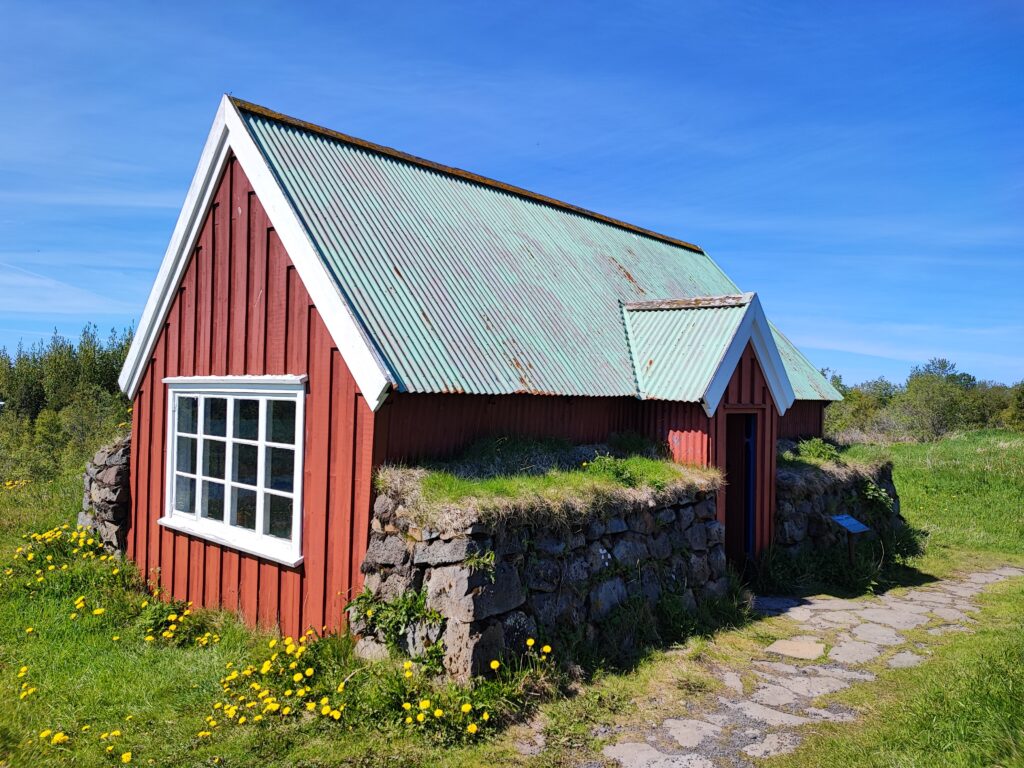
(859, 165)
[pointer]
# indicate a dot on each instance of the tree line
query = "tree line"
(60, 402)
(936, 399)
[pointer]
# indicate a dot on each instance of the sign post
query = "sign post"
(854, 530)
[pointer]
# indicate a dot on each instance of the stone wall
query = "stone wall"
(106, 503)
(496, 585)
(808, 497)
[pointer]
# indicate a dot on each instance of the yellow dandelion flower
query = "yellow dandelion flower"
(438, 713)
(420, 717)
(45, 734)
(407, 673)
(408, 720)
(310, 705)
(546, 649)
(495, 664)
(29, 630)
(530, 642)
(472, 728)
(22, 672)
(241, 719)
(341, 686)
(336, 714)
(59, 738)
(203, 734)
(324, 700)
(309, 671)
(467, 708)
(144, 603)
(425, 704)
(325, 710)
(485, 716)
(110, 748)
(407, 665)
(98, 611)
(297, 677)
(286, 711)
(86, 727)
(406, 706)
(126, 757)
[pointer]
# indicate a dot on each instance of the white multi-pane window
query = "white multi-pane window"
(234, 462)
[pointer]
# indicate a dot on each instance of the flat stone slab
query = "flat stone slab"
(829, 716)
(1009, 571)
(763, 714)
(834, 604)
(905, 605)
(691, 733)
(905, 659)
(771, 605)
(950, 614)
(773, 695)
(842, 674)
(642, 755)
(897, 619)
(808, 686)
(854, 652)
(798, 649)
(878, 634)
(773, 744)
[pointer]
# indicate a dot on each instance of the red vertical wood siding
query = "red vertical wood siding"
(416, 426)
(242, 309)
(805, 418)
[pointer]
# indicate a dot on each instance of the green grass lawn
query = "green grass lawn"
(967, 491)
(963, 708)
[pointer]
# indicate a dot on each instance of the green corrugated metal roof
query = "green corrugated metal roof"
(465, 285)
(677, 351)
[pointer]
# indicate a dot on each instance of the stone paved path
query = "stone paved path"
(792, 673)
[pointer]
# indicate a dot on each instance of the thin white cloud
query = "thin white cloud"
(28, 293)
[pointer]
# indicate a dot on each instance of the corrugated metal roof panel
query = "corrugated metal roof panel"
(469, 286)
(678, 351)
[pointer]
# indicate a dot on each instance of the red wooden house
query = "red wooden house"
(327, 304)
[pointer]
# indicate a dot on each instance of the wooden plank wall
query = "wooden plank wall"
(805, 418)
(242, 309)
(416, 426)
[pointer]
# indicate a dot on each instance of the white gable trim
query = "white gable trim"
(229, 133)
(754, 329)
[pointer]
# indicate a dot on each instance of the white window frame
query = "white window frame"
(262, 388)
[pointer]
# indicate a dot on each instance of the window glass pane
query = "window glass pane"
(188, 415)
(243, 508)
(213, 500)
(186, 455)
(245, 463)
(215, 416)
(247, 419)
(279, 516)
(214, 452)
(184, 494)
(281, 421)
(280, 472)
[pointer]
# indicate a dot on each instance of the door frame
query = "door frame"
(760, 413)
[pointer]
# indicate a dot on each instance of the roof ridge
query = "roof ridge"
(692, 302)
(457, 172)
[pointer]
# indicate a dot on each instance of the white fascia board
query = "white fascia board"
(754, 329)
(183, 239)
(230, 134)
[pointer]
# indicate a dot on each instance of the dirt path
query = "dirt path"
(792, 673)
